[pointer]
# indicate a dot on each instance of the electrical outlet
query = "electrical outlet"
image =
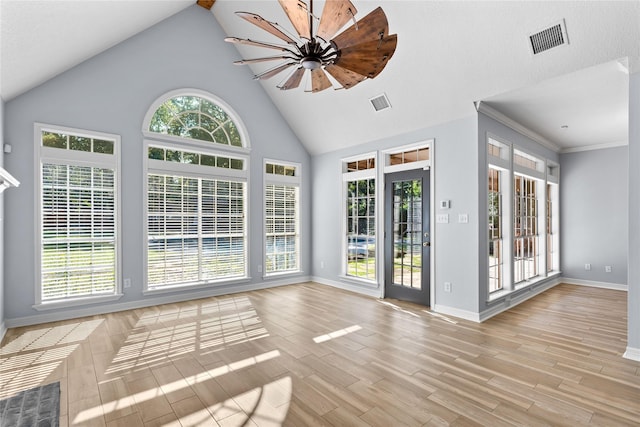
(607, 269)
(127, 283)
(447, 286)
(587, 266)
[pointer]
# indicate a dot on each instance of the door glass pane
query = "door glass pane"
(407, 233)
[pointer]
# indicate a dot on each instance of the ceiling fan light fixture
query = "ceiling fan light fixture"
(311, 63)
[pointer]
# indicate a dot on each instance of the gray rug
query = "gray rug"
(37, 407)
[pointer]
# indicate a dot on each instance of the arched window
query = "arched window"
(195, 117)
(196, 160)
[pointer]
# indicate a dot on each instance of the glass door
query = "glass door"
(407, 236)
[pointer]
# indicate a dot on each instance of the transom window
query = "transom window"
(77, 208)
(196, 194)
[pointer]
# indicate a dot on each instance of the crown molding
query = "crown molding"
(594, 147)
(485, 109)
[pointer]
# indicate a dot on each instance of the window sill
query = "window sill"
(190, 287)
(43, 306)
(281, 274)
(522, 285)
(368, 283)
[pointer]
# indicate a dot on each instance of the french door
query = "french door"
(407, 236)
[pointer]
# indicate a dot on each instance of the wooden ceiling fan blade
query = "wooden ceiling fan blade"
(294, 80)
(370, 58)
(346, 78)
(269, 27)
(298, 14)
(250, 42)
(257, 60)
(335, 15)
(319, 80)
(272, 72)
(371, 27)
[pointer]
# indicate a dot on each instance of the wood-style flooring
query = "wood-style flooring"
(311, 355)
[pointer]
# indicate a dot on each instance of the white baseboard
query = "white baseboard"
(456, 312)
(632, 353)
(360, 289)
(605, 285)
(509, 302)
(148, 302)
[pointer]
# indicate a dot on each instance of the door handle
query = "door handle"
(426, 244)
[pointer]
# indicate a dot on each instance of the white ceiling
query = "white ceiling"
(450, 54)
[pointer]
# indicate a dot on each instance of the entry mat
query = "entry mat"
(36, 407)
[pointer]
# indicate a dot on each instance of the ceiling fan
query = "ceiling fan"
(360, 52)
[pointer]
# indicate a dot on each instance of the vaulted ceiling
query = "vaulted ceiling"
(450, 55)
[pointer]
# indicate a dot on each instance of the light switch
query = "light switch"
(442, 218)
(463, 218)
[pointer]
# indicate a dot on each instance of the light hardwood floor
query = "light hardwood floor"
(313, 355)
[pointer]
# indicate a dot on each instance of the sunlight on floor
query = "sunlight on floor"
(219, 324)
(23, 362)
(336, 334)
(174, 386)
(398, 308)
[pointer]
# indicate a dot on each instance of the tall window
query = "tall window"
(78, 206)
(495, 212)
(196, 194)
(282, 218)
(360, 219)
(523, 218)
(525, 223)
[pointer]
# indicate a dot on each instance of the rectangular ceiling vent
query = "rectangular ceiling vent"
(551, 37)
(380, 102)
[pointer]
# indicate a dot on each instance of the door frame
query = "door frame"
(386, 168)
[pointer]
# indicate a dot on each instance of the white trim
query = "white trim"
(235, 117)
(512, 124)
(7, 180)
(456, 312)
(76, 158)
(74, 302)
(147, 302)
(363, 289)
(289, 181)
(509, 301)
(593, 284)
(632, 353)
(595, 147)
(409, 166)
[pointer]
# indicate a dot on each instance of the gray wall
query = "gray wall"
(2, 325)
(594, 215)
(454, 245)
(633, 295)
(488, 125)
(111, 93)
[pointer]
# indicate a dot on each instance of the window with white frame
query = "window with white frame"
(526, 243)
(495, 212)
(282, 217)
(359, 178)
(78, 202)
(521, 206)
(196, 193)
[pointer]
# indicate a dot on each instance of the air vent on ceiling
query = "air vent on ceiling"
(380, 102)
(554, 36)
